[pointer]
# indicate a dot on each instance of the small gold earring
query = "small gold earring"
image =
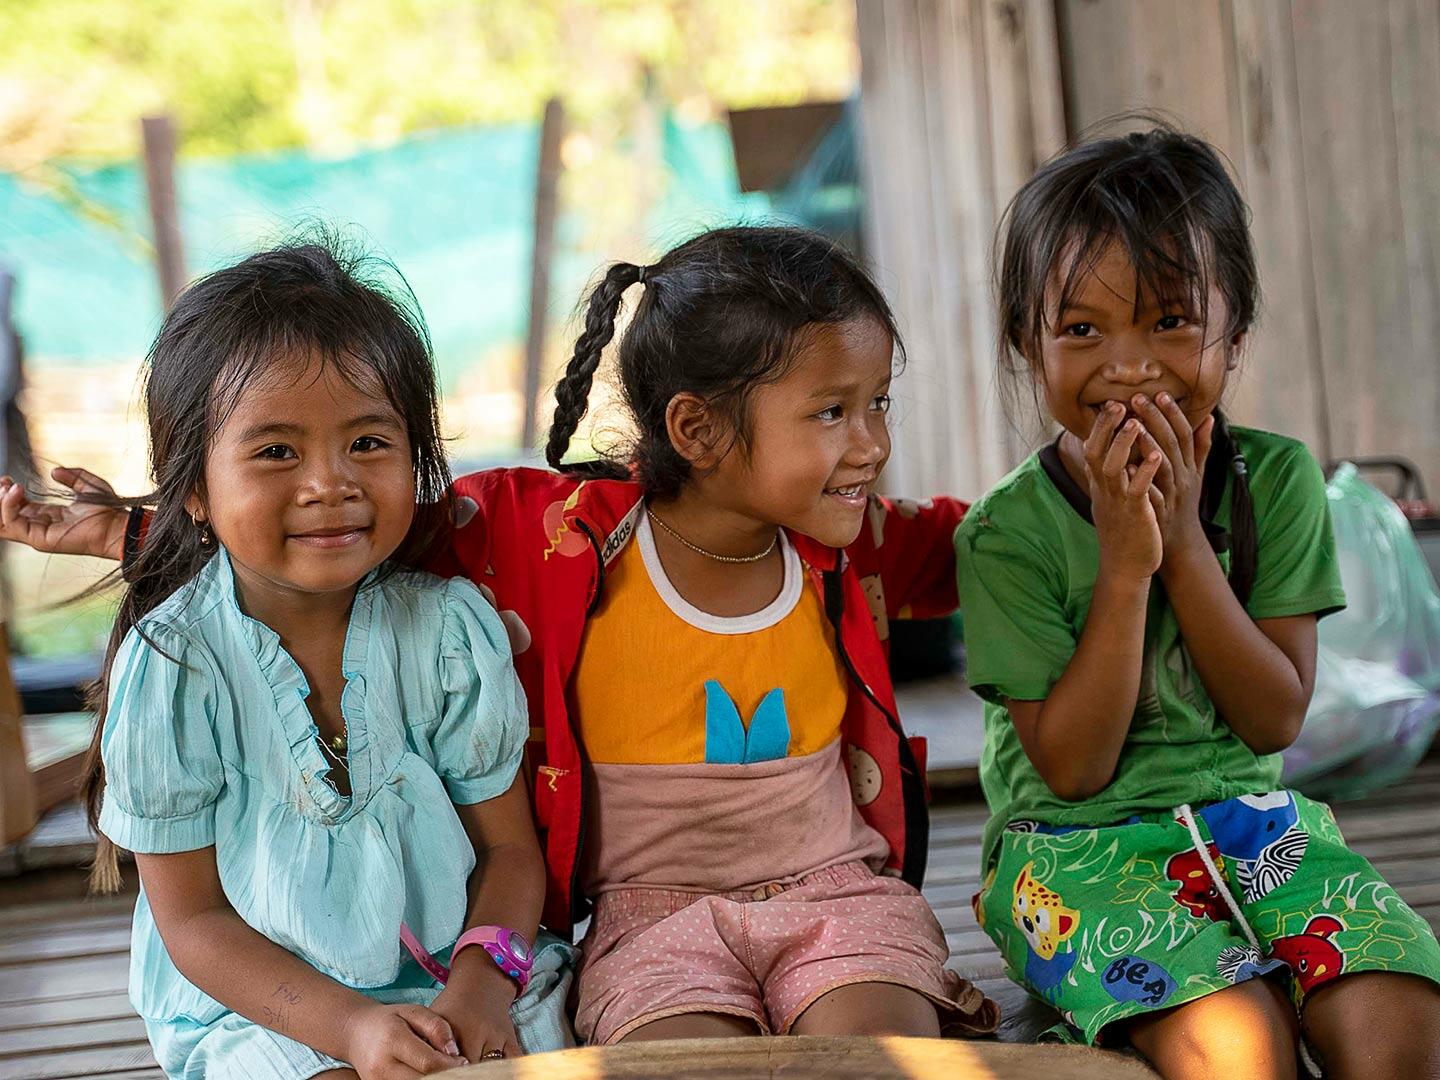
(206, 537)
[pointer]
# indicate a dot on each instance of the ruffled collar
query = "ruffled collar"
(290, 688)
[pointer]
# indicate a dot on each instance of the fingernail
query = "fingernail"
(1164, 399)
(1131, 425)
(452, 1048)
(1114, 407)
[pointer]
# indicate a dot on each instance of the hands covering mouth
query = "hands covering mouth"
(1128, 401)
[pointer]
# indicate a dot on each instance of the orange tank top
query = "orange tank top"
(714, 741)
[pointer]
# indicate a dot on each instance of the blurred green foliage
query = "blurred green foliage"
(248, 75)
(337, 77)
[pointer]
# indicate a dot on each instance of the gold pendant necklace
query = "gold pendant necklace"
(710, 554)
(337, 749)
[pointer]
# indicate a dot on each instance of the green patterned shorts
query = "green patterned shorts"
(1109, 923)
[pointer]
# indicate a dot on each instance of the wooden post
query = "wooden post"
(18, 813)
(158, 133)
(19, 803)
(17, 788)
(10, 361)
(959, 100)
(547, 182)
(1325, 109)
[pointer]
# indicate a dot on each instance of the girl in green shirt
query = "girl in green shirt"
(1141, 599)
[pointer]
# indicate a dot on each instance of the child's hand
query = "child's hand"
(393, 1042)
(1124, 502)
(476, 1003)
(1182, 472)
(76, 528)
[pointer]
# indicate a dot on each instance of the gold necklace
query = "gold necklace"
(337, 749)
(710, 554)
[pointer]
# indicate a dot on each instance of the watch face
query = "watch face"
(516, 944)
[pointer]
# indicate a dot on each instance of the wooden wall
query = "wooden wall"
(1329, 111)
(960, 100)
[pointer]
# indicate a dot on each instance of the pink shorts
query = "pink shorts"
(766, 954)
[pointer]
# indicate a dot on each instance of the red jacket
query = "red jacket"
(539, 543)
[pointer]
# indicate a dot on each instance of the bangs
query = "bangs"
(1171, 271)
(1164, 198)
(280, 362)
(326, 302)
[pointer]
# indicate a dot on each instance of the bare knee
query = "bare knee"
(698, 1025)
(1244, 1031)
(1375, 1025)
(869, 1009)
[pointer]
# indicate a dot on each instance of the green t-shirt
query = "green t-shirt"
(1028, 554)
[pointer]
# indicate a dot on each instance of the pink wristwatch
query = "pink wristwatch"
(508, 948)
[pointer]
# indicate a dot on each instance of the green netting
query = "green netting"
(452, 209)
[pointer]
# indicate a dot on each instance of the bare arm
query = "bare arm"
(1260, 674)
(1074, 736)
(79, 527)
(244, 970)
(507, 888)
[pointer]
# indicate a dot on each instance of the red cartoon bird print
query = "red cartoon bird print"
(1197, 893)
(1312, 956)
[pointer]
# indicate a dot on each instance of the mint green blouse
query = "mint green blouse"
(207, 741)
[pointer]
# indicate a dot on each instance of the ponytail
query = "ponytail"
(572, 393)
(1244, 540)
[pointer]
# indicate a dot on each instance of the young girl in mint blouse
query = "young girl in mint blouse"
(311, 753)
(1140, 599)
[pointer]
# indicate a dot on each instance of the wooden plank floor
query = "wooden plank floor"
(64, 1012)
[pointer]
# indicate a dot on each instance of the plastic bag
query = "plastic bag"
(1376, 706)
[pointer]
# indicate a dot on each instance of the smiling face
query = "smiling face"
(818, 436)
(1104, 347)
(309, 482)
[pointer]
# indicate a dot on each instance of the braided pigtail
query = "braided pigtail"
(722, 314)
(1244, 540)
(572, 393)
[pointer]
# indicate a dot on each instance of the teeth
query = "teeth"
(854, 490)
